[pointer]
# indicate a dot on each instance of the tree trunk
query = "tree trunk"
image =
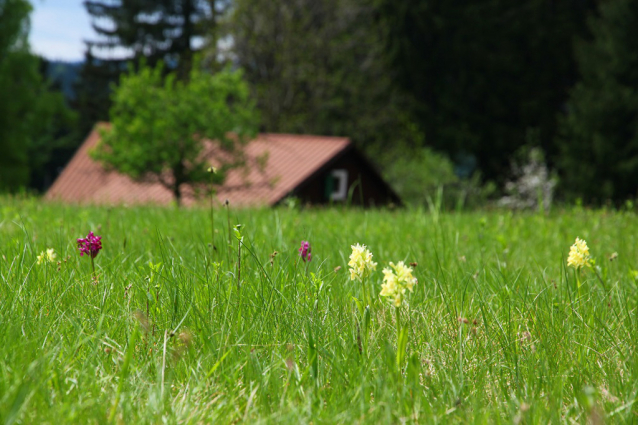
(177, 194)
(179, 177)
(188, 8)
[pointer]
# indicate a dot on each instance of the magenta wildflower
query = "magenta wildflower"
(304, 251)
(90, 245)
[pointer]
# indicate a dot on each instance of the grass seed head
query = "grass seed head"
(142, 320)
(186, 338)
(290, 364)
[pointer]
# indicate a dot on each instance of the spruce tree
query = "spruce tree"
(316, 66)
(599, 143)
(148, 30)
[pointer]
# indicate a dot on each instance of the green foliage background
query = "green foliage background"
(31, 116)
(599, 144)
(474, 80)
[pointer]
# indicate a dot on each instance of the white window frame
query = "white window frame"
(340, 177)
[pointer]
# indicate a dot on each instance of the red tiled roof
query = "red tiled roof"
(291, 159)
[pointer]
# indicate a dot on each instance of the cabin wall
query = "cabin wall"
(364, 186)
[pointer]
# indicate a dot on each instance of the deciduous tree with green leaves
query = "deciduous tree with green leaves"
(158, 126)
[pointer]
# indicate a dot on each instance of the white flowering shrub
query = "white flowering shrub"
(532, 185)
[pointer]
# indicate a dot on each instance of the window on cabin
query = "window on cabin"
(337, 185)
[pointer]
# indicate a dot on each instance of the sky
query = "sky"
(58, 28)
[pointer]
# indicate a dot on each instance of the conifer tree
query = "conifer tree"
(316, 66)
(149, 30)
(599, 143)
(485, 76)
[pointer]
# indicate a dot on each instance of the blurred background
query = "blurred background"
(467, 103)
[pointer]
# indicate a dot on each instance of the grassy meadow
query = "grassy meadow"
(175, 329)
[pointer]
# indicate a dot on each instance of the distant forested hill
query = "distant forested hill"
(64, 75)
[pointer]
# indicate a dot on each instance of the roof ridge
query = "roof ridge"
(305, 136)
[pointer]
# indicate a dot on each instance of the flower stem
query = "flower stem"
(238, 265)
(602, 282)
(400, 344)
(365, 292)
(578, 283)
(228, 251)
(212, 215)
